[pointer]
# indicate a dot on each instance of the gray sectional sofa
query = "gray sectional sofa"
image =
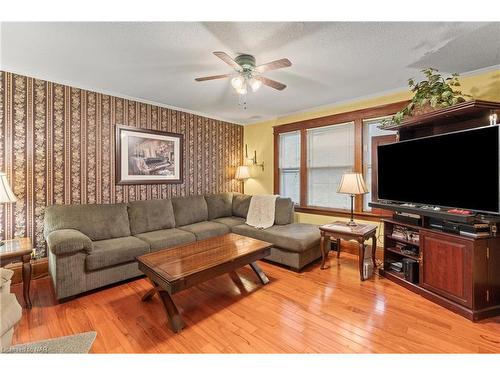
(94, 245)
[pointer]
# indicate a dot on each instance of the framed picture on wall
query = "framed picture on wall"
(148, 156)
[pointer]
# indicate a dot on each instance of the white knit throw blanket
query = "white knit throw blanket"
(261, 211)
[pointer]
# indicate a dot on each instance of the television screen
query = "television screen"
(459, 170)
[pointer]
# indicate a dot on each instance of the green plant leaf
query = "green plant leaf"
(436, 90)
(447, 94)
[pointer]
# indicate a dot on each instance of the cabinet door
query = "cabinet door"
(493, 283)
(446, 266)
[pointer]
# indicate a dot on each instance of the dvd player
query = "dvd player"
(475, 230)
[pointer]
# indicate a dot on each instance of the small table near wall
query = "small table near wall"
(19, 249)
(360, 233)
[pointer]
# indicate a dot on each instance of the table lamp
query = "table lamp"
(353, 184)
(242, 173)
(6, 194)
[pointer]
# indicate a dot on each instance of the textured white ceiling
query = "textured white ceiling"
(158, 62)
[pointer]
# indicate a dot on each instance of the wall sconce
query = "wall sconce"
(254, 159)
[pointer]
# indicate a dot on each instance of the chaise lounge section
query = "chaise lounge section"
(95, 245)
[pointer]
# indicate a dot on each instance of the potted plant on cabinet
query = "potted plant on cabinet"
(432, 93)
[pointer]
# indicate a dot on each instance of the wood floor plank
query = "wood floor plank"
(316, 311)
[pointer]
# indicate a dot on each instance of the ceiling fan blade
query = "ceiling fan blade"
(208, 78)
(271, 83)
(276, 64)
(228, 60)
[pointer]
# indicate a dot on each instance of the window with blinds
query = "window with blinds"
(289, 165)
(330, 152)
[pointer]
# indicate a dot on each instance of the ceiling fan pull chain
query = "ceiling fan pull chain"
(242, 101)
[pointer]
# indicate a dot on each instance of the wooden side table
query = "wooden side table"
(360, 233)
(19, 249)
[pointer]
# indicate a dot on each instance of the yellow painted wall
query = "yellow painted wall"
(259, 136)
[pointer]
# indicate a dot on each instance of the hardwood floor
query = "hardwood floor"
(326, 311)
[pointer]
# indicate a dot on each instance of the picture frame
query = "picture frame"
(145, 156)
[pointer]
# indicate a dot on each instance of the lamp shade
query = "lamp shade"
(242, 172)
(6, 194)
(352, 183)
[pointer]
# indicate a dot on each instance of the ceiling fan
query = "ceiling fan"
(247, 74)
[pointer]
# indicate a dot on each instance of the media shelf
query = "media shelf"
(408, 242)
(466, 115)
(461, 273)
(398, 252)
(457, 272)
(401, 250)
(441, 214)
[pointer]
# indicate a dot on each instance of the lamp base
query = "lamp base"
(351, 223)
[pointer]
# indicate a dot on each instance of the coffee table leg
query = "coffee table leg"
(260, 274)
(174, 318)
(150, 293)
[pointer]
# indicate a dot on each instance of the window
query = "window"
(312, 155)
(289, 165)
(330, 153)
(371, 130)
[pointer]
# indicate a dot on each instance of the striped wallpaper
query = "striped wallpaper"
(57, 147)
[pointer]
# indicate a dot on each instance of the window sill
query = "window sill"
(341, 213)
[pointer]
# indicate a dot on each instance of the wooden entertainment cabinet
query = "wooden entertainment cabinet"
(458, 272)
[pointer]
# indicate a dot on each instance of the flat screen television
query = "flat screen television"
(456, 170)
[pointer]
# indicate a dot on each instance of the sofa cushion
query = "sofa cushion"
(96, 221)
(150, 215)
(206, 229)
(295, 237)
(115, 251)
(165, 238)
(241, 202)
(189, 210)
(230, 221)
(284, 211)
(219, 205)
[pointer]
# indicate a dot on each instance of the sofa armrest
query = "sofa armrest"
(68, 241)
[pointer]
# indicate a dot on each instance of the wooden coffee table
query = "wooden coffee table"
(178, 268)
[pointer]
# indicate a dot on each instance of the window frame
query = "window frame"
(357, 118)
(298, 168)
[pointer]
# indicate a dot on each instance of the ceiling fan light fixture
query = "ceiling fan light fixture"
(242, 90)
(237, 82)
(247, 74)
(255, 84)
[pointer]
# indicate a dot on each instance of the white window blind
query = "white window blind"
(370, 130)
(289, 165)
(330, 155)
